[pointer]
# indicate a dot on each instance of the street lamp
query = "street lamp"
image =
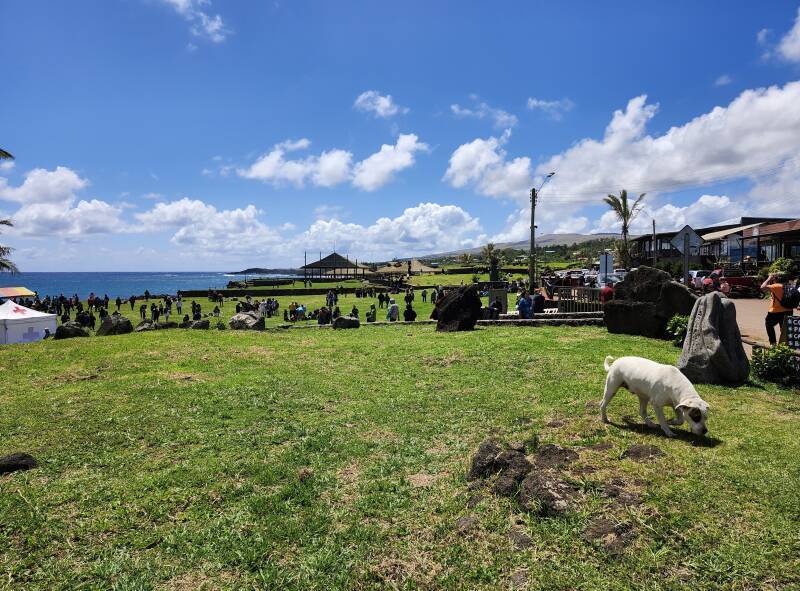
(532, 262)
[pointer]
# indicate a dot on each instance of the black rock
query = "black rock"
(17, 461)
(70, 330)
(459, 309)
(246, 321)
(346, 322)
(145, 326)
(712, 351)
(114, 325)
(203, 324)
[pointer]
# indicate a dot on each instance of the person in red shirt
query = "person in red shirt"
(776, 313)
(606, 293)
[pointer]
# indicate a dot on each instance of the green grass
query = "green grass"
(169, 460)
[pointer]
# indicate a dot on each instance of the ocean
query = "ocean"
(117, 284)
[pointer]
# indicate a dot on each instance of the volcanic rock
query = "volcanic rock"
(70, 330)
(458, 310)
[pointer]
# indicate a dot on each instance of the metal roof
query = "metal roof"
(727, 232)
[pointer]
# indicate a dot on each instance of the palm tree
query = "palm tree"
(466, 258)
(626, 214)
(5, 263)
(492, 258)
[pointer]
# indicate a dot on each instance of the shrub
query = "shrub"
(782, 265)
(676, 329)
(777, 364)
(476, 278)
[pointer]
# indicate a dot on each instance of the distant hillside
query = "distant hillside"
(543, 240)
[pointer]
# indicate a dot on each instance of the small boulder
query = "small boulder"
(113, 325)
(346, 322)
(146, 325)
(165, 325)
(712, 351)
(203, 324)
(246, 321)
(17, 461)
(70, 330)
(458, 310)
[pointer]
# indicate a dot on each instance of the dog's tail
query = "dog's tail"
(607, 363)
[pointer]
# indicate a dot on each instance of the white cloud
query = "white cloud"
(203, 227)
(336, 166)
(789, 45)
(201, 23)
(723, 80)
(425, 228)
(554, 109)
(755, 131)
(379, 105)
(482, 163)
(6, 165)
(44, 186)
(572, 225)
(501, 119)
(379, 168)
(762, 37)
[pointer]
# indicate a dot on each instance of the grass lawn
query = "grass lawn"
(171, 460)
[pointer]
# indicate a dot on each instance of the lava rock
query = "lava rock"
(70, 330)
(346, 322)
(203, 324)
(712, 351)
(645, 301)
(146, 325)
(458, 310)
(246, 321)
(642, 452)
(165, 325)
(17, 461)
(113, 325)
(483, 461)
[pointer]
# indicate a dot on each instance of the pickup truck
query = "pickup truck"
(741, 285)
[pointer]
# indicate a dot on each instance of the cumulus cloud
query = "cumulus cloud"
(483, 164)
(755, 131)
(424, 228)
(50, 206)
(379, 105)
(789, 45)
(6, 165)
(553, 109)
(203, 227)
(377, 170)
(201, 23)
(335, 166)
(572, 225)
(480, 110)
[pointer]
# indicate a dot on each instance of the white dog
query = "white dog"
(660, 385)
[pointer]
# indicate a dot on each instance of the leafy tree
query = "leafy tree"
(492, 258)
(466, 259)
(626, 213)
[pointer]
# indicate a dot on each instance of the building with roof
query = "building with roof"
(773, 241)
(719, 244)
(334, 266)
(410, 267)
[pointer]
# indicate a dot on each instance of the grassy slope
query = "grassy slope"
(170, 459)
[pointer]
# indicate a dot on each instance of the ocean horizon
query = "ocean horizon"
(122, 284)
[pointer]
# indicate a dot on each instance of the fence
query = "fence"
(579, 299)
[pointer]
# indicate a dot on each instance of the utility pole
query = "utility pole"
(532, 258)
(655, 252)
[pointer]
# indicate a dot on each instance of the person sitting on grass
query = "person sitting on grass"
(409, 315)
(372, 313)
(354, 312)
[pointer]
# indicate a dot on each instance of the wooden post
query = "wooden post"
(686, 259)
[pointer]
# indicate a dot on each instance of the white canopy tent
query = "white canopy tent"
(19, 324)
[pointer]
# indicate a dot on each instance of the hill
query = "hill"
(541, 241)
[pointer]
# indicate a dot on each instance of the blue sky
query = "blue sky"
(200, 135)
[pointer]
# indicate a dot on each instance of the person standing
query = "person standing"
(392, 312)
(783, 300)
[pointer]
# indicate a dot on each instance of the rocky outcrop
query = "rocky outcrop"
(346, 322)
(459, 309)
(114, 325)
(70, 330)
(146, 326)
(203, 324)
(712, 350)
(645, 301)
(246, 321)
(17, 461)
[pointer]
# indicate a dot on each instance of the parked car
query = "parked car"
(696, 278)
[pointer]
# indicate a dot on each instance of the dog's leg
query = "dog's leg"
(679, 418)
(643, 412)
(662, 420)
(611, 389)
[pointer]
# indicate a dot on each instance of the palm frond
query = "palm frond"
(6, 155)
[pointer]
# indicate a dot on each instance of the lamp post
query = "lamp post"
(532, 261)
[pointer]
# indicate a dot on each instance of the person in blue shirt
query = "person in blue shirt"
(524, 305)
(538, 302)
